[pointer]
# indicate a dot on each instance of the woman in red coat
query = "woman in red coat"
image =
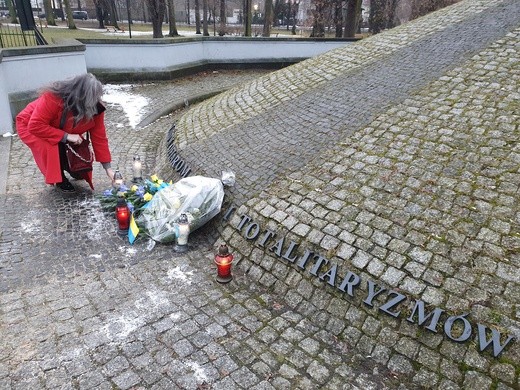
(38, 126)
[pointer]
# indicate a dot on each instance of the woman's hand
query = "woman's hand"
(110, 174)
(75, 139)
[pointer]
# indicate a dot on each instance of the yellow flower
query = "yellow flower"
(147, 196)
(134, 188)
(160, 181)
(154, 178)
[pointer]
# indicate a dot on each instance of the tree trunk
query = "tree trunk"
(318, 24)
(222, 26)
(392, 6)
(205, 31)
(338, 18)
(99, 14)
(171, 20)
(247, 18)
(113, 13)
(61, 9)
(68, 11)
(49, 13)
(157, 10)
(268, 18)
(295, 8)
(197, 17)
(377, 18)
(12, 11)
(351, 19)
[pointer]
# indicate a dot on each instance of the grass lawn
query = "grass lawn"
(89, 29)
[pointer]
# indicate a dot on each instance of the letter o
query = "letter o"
(254, 228)
(466, 333)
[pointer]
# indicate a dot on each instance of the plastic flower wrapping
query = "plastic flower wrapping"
(199, 197)
(157, 205)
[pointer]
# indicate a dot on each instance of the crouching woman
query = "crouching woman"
(64, 111)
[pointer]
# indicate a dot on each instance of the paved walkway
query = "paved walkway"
(398, 159)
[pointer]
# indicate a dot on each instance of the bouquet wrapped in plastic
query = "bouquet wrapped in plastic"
(199, 197)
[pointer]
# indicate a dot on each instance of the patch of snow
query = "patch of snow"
(198, 371)
(175, 316)
(178, 273)
(153, 300)
(96, 220)
(32, 223)
(132, 104)
(127, 251)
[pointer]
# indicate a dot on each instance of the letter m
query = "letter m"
(495, 340)
(421, 318)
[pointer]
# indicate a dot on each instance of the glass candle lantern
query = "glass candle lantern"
(183, 231)
(118, 179)
(122, 215)
(137, 169)
(223, 260)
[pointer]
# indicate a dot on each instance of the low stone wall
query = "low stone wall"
(132, 59)
(24, 70)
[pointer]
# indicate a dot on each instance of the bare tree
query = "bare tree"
(112, 10)
(157, 10)
(222, 26)
(100, 13)
(318, 15)
(294, 5)
(352, 18)
(247, 17)
(338, 18)
(172, 23)
(12, 11)
(104, 10)
(49, 13)
(68, 11)
(268, 18)
(205, 31)
(422, 7)
(197, 16)
(376, 19)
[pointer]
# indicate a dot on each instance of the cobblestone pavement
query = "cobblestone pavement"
(397, 157)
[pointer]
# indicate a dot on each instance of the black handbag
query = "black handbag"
(79, 157)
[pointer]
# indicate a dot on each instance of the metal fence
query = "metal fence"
(14, 36)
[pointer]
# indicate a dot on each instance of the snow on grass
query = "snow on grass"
(132, 104)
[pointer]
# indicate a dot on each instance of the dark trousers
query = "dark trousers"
(64, 165)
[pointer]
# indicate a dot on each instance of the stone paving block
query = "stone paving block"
(420, 214)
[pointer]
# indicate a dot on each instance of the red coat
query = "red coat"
(38, 126)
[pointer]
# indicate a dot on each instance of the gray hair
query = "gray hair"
(81, 95)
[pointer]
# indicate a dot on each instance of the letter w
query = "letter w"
(495, 340)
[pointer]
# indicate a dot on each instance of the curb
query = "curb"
(175, 105)
(5, 149)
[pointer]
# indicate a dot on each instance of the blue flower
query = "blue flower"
(123, 188)
(140, 192)
(107, 193)
(130, 207)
